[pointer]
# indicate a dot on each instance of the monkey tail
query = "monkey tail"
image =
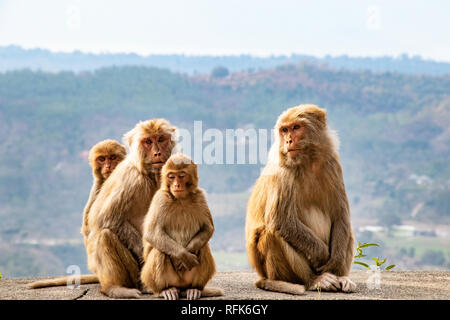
(212, 292)
(280, 286)
(62, 281)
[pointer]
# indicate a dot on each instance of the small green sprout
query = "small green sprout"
(360, 255)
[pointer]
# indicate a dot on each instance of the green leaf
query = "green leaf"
(361, 255)
(378, 262)
(390, 267)
(362, 264)
(365, 245)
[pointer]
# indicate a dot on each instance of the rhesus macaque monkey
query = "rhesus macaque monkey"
(114, 243)
(298, 230)
(103, 158)
(116, 218)
(177, 229)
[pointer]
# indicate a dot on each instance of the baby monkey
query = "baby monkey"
(177, 228)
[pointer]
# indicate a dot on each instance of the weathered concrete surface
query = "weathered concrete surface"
(239, 285)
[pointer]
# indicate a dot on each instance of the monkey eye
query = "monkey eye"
(171, 176)
(148, 141)
(101, 158)
(284, 129)
(113, 157)
(182, 174)
(161, 139)
(296, 127)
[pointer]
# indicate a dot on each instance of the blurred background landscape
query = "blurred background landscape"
(391, 111)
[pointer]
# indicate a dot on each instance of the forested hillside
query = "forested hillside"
(394, 131)
(15, 57)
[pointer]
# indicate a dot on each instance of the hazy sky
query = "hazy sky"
(258, 27)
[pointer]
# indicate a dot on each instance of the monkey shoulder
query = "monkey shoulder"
(199, 196)
(201, 204)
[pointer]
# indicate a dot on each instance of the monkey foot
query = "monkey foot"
(193, 294)
(170, 294)
(347, 285)
(326, 282)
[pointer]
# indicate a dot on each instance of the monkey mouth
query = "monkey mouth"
(180, 190)
(293, 150)
(158, 164)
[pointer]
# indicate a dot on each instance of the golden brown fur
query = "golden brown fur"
(113, 153)
(114, 244)
(105, 148)
(298, 230)
(177, 230)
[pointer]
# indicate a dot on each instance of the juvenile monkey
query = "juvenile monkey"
(298, 230)
(103, 158)
(177, 229)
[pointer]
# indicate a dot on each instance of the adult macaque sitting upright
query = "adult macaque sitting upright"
(177, 229)
(114, 244)
(298, 228)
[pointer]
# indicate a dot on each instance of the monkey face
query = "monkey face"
(179, 183)
(107, 163)
(291, 136)
(157, 148)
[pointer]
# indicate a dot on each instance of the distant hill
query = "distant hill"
(394, 131)
(14, 58)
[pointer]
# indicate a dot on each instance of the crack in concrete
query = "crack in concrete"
(85, 291)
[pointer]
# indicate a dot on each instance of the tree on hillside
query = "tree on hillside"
(219, 72)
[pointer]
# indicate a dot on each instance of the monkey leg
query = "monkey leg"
(337, 278)
(206, 269)
(117, 270)
(196, 279)
(159, 276)
(347, 285)
(281, 268)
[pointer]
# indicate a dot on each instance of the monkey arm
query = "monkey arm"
(130, 236)
(339, 247)
(161, 241)
(303, 240)
(110, 212)
(201, 238)
(92, 196)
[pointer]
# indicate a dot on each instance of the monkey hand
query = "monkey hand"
(193, 247)
(185, 260)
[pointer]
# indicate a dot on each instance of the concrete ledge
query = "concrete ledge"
(238, 285)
